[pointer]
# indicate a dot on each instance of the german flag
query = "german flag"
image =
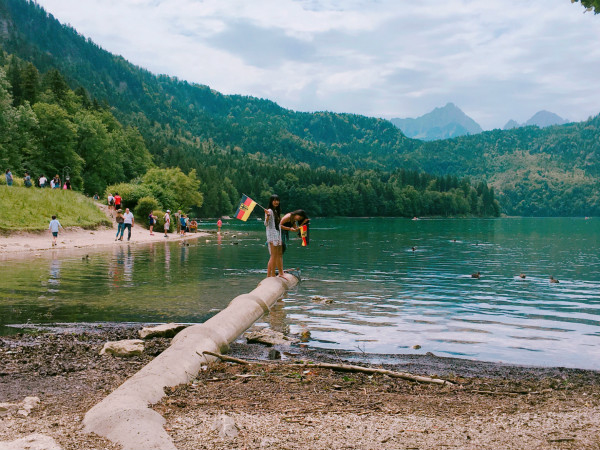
(304, 235)
(246, 207)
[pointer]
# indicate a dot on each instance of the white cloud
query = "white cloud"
(496, 60)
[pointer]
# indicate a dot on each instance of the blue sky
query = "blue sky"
(495, 59)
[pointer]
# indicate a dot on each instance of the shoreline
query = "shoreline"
(22, 244)
(277, 405)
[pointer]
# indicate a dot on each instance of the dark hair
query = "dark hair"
(53, 217)
(301, 213)
(276, 210)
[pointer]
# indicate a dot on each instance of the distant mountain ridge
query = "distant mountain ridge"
(541, 119)
(441, 123)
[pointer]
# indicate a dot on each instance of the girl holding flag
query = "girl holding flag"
(272, 219)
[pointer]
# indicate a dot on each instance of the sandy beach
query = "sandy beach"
(20, 244)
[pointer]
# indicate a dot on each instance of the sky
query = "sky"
(494, 59)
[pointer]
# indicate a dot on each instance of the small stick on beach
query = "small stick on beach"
(226, 358)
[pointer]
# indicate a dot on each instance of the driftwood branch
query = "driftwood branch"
(390, 373)
(226, 358)
(344, 368)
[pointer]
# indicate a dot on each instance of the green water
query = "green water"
(385, 296)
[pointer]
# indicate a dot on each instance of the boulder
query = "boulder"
(34, 441)
(23, 408)
(269, 337)
(225, 426)
(27, 405)
(167, 330)
(131, 347)
(274, 354)
(8, 409)
(321, 300)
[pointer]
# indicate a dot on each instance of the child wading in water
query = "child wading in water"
(54, 226)
(274, 237)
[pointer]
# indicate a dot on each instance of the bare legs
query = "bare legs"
(275, 261)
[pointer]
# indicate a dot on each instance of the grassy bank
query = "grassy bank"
(30, 209)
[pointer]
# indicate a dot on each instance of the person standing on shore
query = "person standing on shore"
(129, 221)
(183, 223)
(151, 221)
(9, 177)
(219, 225)
(274, 242)
(167, 222)
(53, 228)
(120, 225)
(178, 221)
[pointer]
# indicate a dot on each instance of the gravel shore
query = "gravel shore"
(283, 405)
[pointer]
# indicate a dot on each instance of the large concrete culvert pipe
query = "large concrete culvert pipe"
(124, 415)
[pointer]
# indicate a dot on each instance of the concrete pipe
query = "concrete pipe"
(124, 416)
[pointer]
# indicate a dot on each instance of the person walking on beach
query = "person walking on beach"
(167, 222)
(120, 225)
(128, 222)
(9, 177)
(117, 201)
(151, 221)
(272, 223)
(111, 204)
(219, 225)
(53, 228)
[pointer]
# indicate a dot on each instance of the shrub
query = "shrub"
(130, 193)
(160, 222)
(144, 207)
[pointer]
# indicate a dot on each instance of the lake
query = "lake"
(364, 287)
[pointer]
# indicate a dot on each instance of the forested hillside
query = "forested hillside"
(338, 164)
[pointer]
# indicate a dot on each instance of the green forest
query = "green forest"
(65, 102)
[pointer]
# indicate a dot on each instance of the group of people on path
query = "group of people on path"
(55, 183)
(278, 229)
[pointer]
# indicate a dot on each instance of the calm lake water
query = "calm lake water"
(385, 297)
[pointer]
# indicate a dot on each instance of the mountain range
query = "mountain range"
(450, 122)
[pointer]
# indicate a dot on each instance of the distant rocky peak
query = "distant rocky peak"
(541, 119)
(442, 123)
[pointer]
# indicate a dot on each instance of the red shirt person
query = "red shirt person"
(117, 200)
